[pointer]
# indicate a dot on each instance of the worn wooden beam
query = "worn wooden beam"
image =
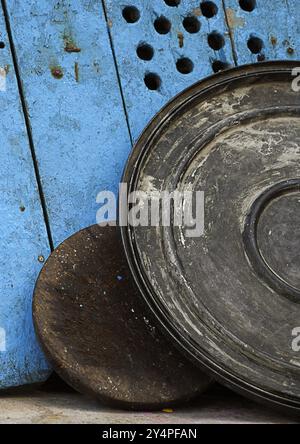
(77, 118)
(23, 236)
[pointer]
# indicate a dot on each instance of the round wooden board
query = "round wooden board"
(98, 333)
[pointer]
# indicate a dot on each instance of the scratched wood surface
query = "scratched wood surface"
(79, 64)
(23, 237)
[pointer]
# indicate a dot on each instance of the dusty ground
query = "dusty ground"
(60, 405)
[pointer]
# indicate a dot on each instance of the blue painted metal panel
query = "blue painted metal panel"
(77, 117)
(276, 23)
(141, 102)
(23, 237)
(78, 122)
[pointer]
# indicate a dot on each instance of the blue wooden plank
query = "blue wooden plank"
(264, 30)
(23, 238)
(183, 40)
(78, 122)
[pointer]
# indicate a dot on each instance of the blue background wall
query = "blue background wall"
(76, 99)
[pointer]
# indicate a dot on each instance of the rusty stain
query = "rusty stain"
(22, 208)
(233, 20)
(197, 12)
(70, 47)
(76, 71)
(180, 39)
(41, 259)
(273, 40)
(7, 69)
(290, 50)
(110, 23)
(57, 72)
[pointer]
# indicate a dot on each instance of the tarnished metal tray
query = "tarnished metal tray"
(230, 297)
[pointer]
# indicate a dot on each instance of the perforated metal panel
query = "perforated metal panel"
(187, 40)
(179, 51)
(264, 29)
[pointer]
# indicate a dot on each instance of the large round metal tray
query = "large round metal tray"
(230, 298)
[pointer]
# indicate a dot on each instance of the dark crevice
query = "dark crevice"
(231, 35)
(117, 70)
(27, 123)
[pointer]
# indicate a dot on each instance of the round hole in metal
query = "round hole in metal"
(216, 40)
(184, 65)
(209, 9)
(191, 24)
(248, 5)
(152, 81)
(255, 44)
(172, 3)
(145, 51)
(162, 25)
(219, 65)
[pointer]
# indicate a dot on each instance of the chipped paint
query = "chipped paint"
(197, 12)
(180, 39)
(234, 21)
(273, 40)
(57, 72)
(72, 48)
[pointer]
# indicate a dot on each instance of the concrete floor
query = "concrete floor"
(59, 405)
